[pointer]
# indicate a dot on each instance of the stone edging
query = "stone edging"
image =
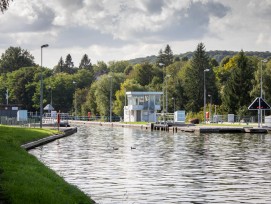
(46, 140)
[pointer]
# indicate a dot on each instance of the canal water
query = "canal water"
(126, 165)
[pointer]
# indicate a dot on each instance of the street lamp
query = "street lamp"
(205, 70)
(167, 76)
(163, 65)
(261, 112)
(75, 99)
(173, 104)
(41, 87)
(51, 103)
(110, 105)
(210, 109)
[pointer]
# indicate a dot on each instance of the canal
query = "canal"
(127, 165)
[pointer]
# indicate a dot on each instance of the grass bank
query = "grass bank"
(23, 179)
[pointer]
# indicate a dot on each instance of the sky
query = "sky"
(111, 30)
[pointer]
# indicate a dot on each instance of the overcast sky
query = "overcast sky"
(126, 29)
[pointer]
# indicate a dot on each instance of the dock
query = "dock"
(210, 129)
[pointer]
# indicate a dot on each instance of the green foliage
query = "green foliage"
(22, 85)
(85, 63)
(142, 73)
(100, 68)
(15, 58)
(236, 93)
(118, 66)
(194, 79)
(165, 57)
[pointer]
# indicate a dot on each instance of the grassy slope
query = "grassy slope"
(23, 179)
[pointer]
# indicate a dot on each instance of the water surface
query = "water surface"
(125, 165)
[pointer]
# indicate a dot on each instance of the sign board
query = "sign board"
(259, 104)
(179, 116)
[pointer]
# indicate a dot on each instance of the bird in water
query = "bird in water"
(133, 147)
(115, 148)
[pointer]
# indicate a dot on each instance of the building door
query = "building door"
(138, 115)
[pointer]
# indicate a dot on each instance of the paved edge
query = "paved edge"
(32, 145)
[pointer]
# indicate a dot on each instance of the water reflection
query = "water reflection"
(162, 167)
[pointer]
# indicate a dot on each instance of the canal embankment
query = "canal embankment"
(171, 127)
(24, 179)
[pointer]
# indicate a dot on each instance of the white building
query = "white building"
(142, 106)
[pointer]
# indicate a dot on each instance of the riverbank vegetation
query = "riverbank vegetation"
(232, 80)
(23, 179)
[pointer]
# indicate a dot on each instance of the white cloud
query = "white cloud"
(123, 29)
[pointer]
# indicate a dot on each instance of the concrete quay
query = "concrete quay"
(66, 132)
(180, 128)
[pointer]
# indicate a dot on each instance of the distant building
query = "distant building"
(9, 110)
(142, 106)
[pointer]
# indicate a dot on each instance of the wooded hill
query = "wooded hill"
(218, 55)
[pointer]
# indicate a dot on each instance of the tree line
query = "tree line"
(232, 84)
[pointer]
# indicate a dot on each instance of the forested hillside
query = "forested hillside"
(218, 55)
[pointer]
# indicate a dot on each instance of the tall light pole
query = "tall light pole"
(163, 65)
(110, 105)
(210, 109)
(75, 99)
(51, 102)
(41, 86)
(261, 113)
(167, 76)
(204, 85)
(173, 104)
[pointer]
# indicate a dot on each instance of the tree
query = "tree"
(85, 63)
(100, 68)
(166, 57)
(236, 93)
(98, 99)
(4, 5)
(142, 73)
(68, 65)
(22, 86)
(14, 58)
(59, 67)
(118, 66)
(194, 79)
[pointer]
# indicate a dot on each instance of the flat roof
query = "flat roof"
(141, 93)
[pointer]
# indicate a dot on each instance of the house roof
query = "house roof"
(142, 93)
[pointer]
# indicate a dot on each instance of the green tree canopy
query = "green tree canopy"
(236, 93)
(85, 63)
(194, 79)
(14, 58)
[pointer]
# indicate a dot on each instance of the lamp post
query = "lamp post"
(205, 70)
(110, 105)
(173, 104)
(41, 86)
(163, 65)
(75, 99)
(210, 109)
(51, 102)
(167, 76)
(261, 112)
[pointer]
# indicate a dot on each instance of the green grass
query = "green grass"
(23, 179)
